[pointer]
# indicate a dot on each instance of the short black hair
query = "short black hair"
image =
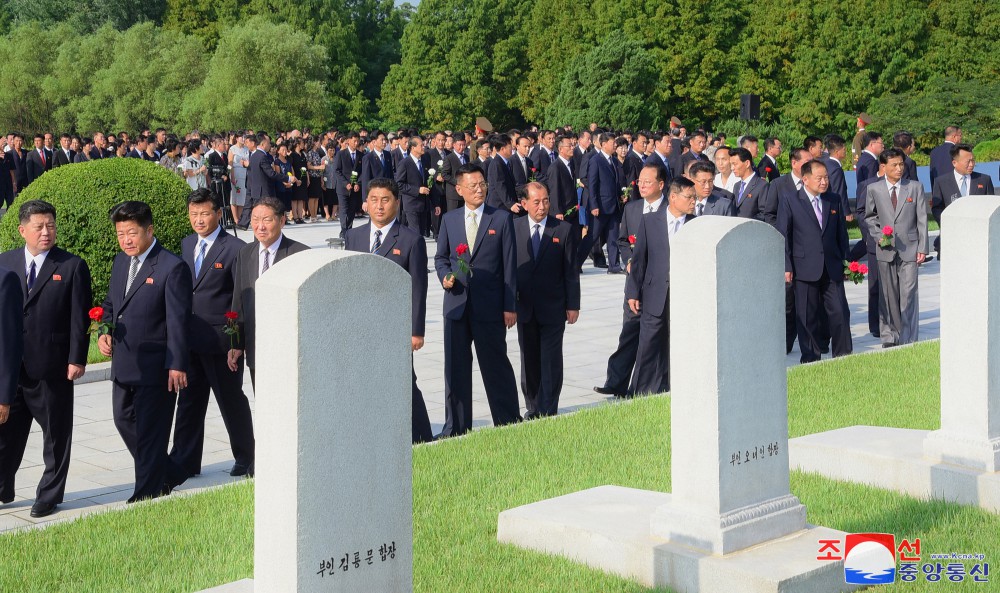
(869, 137)
(959, 148)
(498, 141)
(204, 195)
(796, 154)
(132, 211)
(469, 169)
(809, 167)
(661, 171)
(274, 204)
(902, 139)
(701, 167)
(890, 153)
(749, 138)
(384, 183)
(679, 184)
(835, 142)
(34, 207)
(742, 153)
(811, 141)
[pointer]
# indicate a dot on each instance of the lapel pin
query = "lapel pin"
(491, 232)
(979, 185)
(149, 280)
(833, 211)
(555, 239)
(909, 199)
(218, 266)
(56, 277)
(396, 252)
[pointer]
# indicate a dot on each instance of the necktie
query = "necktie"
(133, 269)
(202, 247)
(471, 229)
(378, 241)
(552, 157)
(536, 240)
(41, 153)
(267, 261)
(739, 191)
(701, 208)
(676, 224)
(819, 213)
(31, 276)
(649, 209)
(461, 158)
(965, 185)
(798, 186)
(892, 196)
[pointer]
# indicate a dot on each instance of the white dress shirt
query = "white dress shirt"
(38, 259)
(272, 251)
(209, 241)
(958, 183)
(385, 233)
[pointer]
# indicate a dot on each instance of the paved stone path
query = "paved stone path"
(101, 473)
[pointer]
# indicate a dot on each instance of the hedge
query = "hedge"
(84, 193)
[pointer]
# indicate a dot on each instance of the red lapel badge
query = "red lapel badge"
(149, 280)
(218, 266)
(396, 252)
(833, 211)
(491, 232)
(555, 239)
(56, 277)
(909, 199)
(979, 185)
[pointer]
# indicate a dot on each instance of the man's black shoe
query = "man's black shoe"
(42, 509)
(240, 469)
(601, 265)
(607, 391)
(7, 499)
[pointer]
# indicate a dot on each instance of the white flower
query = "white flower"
(624, 188)
(440, 163)
(431, 171)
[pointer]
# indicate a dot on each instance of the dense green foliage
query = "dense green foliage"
(84, 193)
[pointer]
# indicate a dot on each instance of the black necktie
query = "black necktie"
(31, 276)
(701, 208)
(536, 240)
(378, 241)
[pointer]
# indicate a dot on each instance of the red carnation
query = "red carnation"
(463, 266)
(232, 315)
(886, 240)
(863, 268)
(767, 169)
(887, 230)
(855, 266)
(462, 249)
(533, 169)
(96, 314)
(631, 239)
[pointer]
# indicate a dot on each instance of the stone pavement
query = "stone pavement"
(101, 471)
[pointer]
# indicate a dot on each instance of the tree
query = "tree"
(86, 16)
(22, 70)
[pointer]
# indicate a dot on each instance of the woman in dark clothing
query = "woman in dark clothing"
(300, 190)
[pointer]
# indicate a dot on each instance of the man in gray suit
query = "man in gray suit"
(710, 199)
(900, 204)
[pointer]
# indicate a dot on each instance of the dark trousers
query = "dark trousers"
(498, 376)
(50, 403)
(345, 213)
(874, 290)
(416, 220)
(652, 366)
(622, 361)
(211, 372)
(541, 365)
(421, 424)
(604, 229)
(143, 416)
(790, 323)
(811, 298)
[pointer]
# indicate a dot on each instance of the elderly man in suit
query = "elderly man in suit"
(710, 200)
(148, 303)
(750, 188)
(548, 297)
(872, 145)
(647, 287)
(452, 163)
(210, 253)
(412, 177)
(385, 237)
(479, 303)
(941, 154)
(56, 294)
(267, 219)
(900, 204)
(961, 181)
(815, 249)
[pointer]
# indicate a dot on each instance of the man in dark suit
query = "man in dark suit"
(648, 287)
(502, 192)
(452, 163)
(815, 249)
(48, 149)
(543, 154)
(384, 236)
(548, 297)
(18, 167)
(36, 162)
(148, 303)
(603, 204)
(561, 185)
(376, 164)
(402, 148)
(710, 200)
(63, 155)
(662, 150)
(346, 171)
(56, 294)
(412, 178)
(479, 306)
(11, 351)
(960, 182)
(767, 168)
(523, 167)
(941, 154)
(634, 160)
(583, 149)
(210, 254)
(139, 150)
(872, 145)
(836, 148)
(651, 183)
(262, 174)
(697, 141)
(750, 190)
(269, 247)
(903, 142)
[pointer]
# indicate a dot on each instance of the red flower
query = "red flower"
(96, 314)
(631, 239)
(887, 230)
(854, 266)
(633, 182)
(767, 169)
(863, 268)
(462, 249)
(232, 315)
(533, 169)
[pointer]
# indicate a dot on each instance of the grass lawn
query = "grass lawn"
(461, 485)
(94, 355)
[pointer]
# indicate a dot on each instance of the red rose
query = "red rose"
(96, 314)
(631, 239)
(863, 268)
(233, 315)
(767, 169)
(633, 182)
(462, 249)
(533, 169)
(887, 230)
(854, 266)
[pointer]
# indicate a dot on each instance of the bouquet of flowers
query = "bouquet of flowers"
(232, 329)
(855, 271)
(886, 240)
(354, 177)
(430, 180)
(97, 326)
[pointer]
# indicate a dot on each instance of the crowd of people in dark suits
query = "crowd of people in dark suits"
(515, 217)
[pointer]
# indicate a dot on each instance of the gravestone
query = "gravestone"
(959, 462)
(731, 523)
(333, 485)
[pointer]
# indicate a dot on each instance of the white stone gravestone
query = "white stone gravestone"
(959, 462)
(333, 502)
(731, 523)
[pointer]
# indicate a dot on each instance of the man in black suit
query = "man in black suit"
(834, 159)
(412, 174)
(710, 200)
(402, 148)
(651, 182)
(961, 181)
(543, 154)
(17, 166)
(750, 189)
(524, 169)
(479, 306)
(49, 149)
(139, 150)
(11, 351)
(903, 142)
(767, 168)
(376, 164)
(56, 295)
(502, 192)
(561, 185)
(99, 150)
(346, 171)
(698, 141)
(36, 162)
(648, 287)
(384, 236)
(210, 254)
(583, 149)
(63, 155)
(603, 202)
(262, 174)
(452, 163)
(434, 157)
(548, 297)
(872, 145)
(270, 246)
(815, 249)
(634, 160)
(662, 150)
(941, 154)
(148, 304)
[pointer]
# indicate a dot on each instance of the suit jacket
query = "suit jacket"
(452, 162)
(18, 166)
(49, 154)
(134, 154)
(247, 269)
(410, 179)
(649, 275)
(778, 190)
(632, 167)
(763, 166)
(809, 248)
(55, 313)
(373, 168)
(908, 220)
(910, 169)
(522, 171)
(407, 248)
(501, 191)
(632, 215)
(397, 155)
(941, 160)
(549, 285)
(867, 166)
(583, 173)
(343, 167)
(60, 158)
(676, 158)
(561, 186)
(12, 328)
(656, 159)
(838, 183)
(151, 321)
(604, 185)
(212, 292)
(260, 176)
(492, 287)
(542, 159)
(861, 208)
(719, 203)
(752, 204)
(33, 167)
(946, 191)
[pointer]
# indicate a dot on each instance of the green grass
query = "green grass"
(853, 232)
(461, 485)
(94, 355)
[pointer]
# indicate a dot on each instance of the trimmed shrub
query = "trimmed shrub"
(84, 193)
(987, 152)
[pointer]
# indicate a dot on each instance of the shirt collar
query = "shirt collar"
(145, 254)
(385, 231)
(796, 180)
(38, 259)
(889, 185)
(273, 248)
(656, 204)
(209, 240)
(541, 223)
(959, 177)
(478, 211)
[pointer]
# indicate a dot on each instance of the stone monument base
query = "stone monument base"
(608, 528)
(894, 459)
(244, 586)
